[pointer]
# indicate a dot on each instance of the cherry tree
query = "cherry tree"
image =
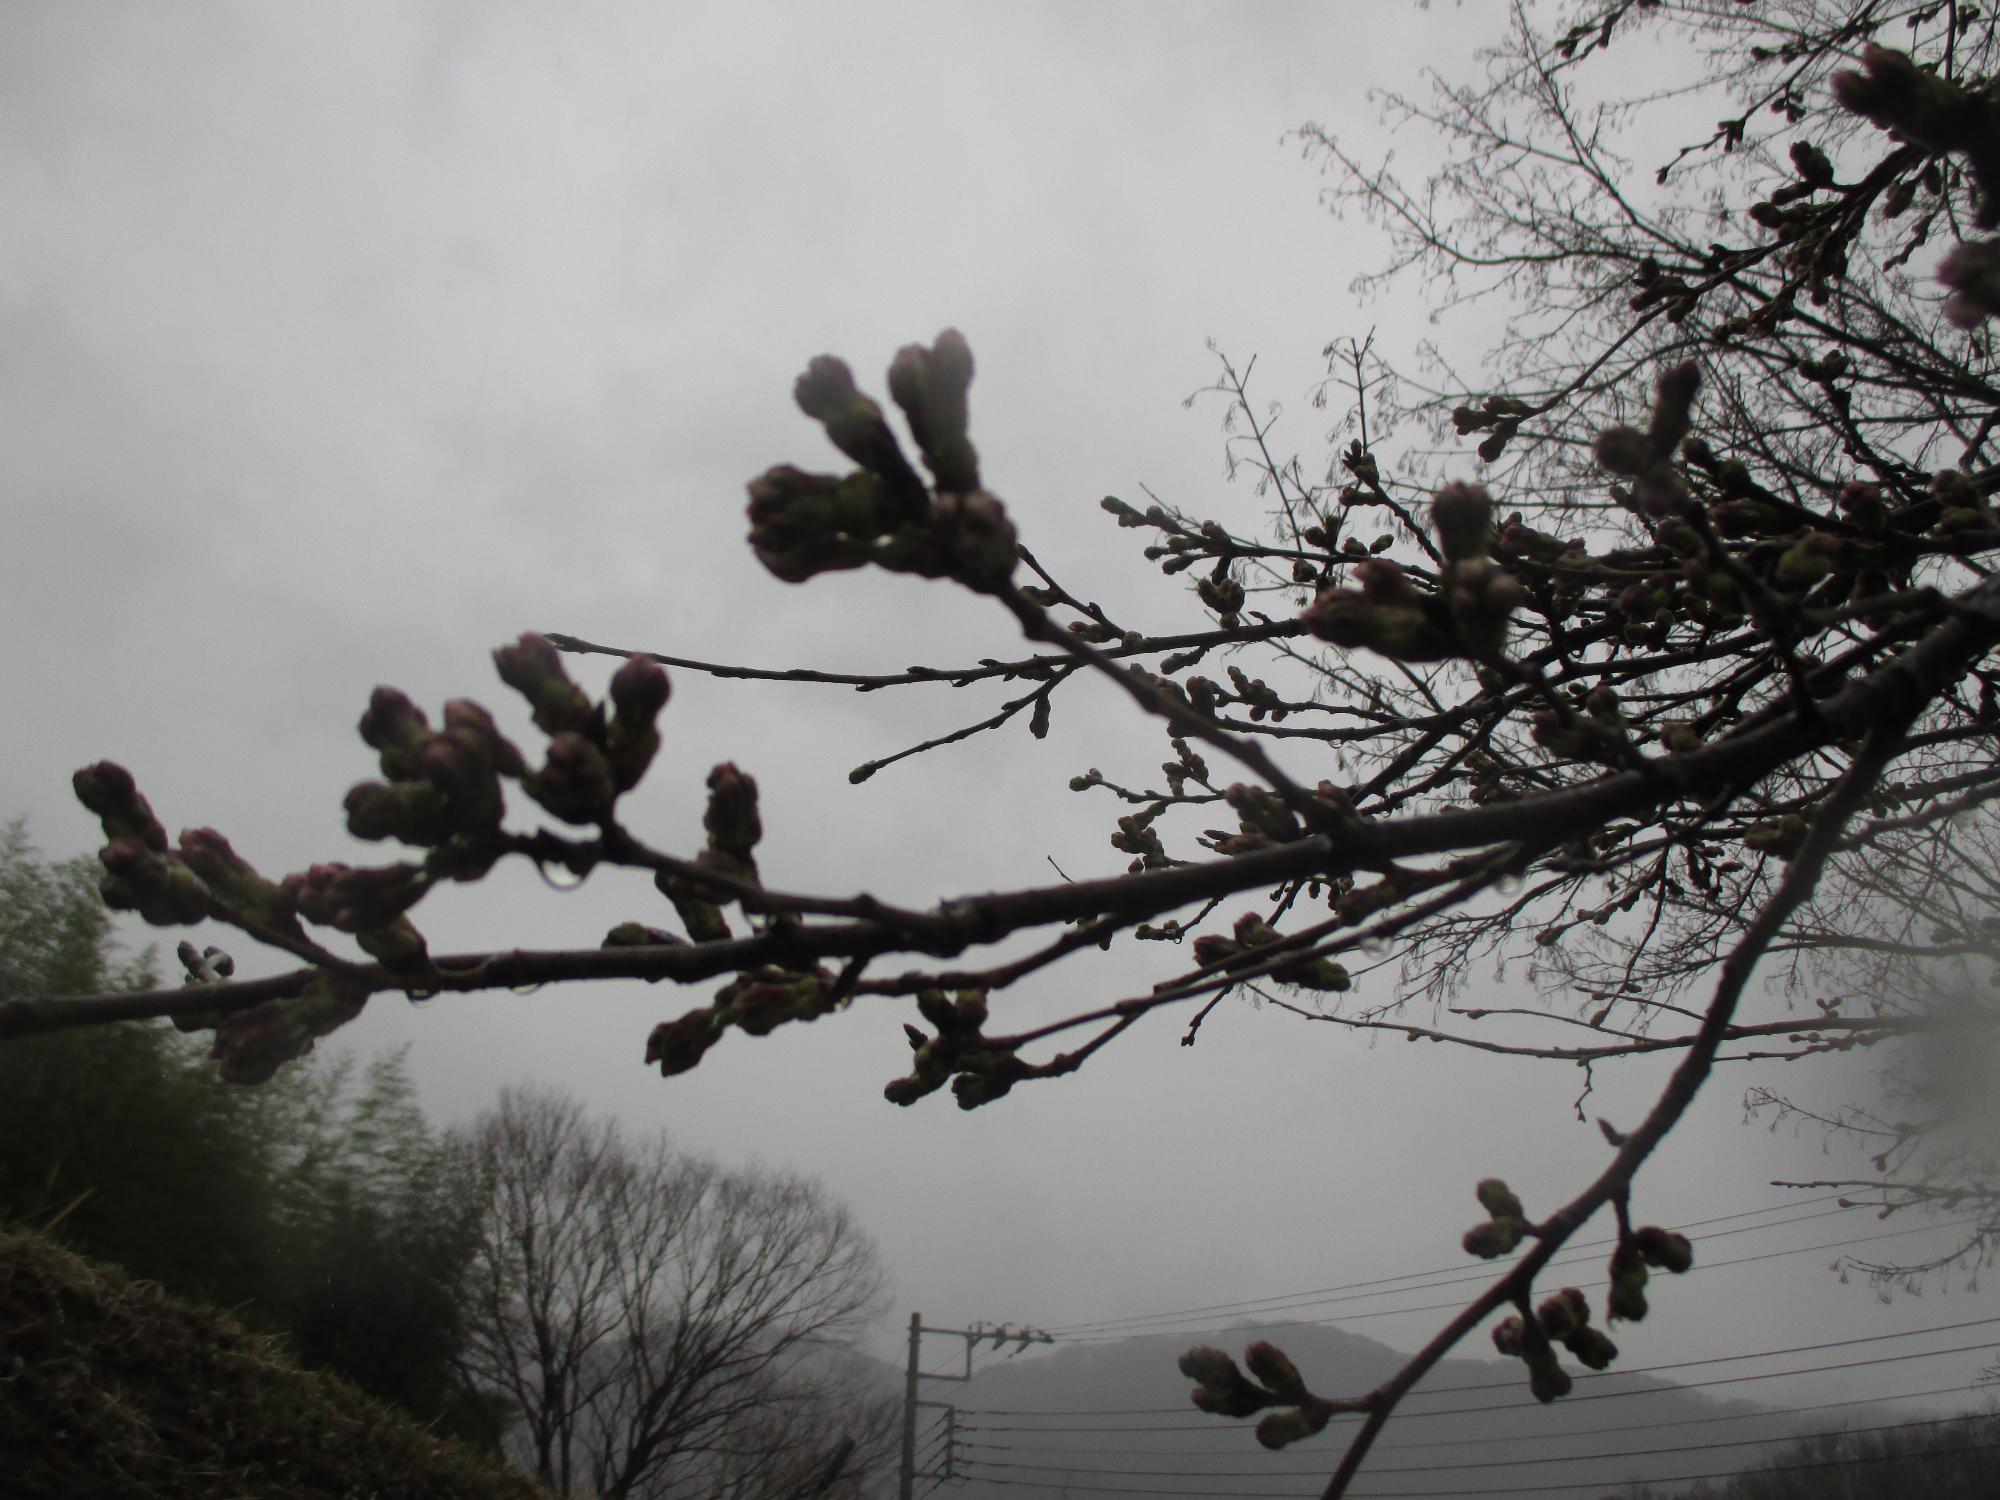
(1686, 658)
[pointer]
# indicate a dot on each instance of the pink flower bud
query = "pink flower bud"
(533, 668)
(1463, 516)
(108, 790)
(575, 782)
(731, 820)
(225, 872)
(930, 386)
(854, 424)
(397, 728)
(470, 723)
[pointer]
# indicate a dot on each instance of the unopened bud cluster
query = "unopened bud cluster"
(757, 1003)
(1465, 615)
(1265, 820)
(1650, 1247)
(442, 792)
(979, 1069)
(1505, 1229)
(1561, 1319)
(734, 829)
(803, 524)
(1273, 1382)
(1248, 943)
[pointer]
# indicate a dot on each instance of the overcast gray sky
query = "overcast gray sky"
(343, 343)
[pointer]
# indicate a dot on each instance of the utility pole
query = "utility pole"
(906, 1487)
(913, 1373)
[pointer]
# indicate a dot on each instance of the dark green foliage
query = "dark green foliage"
(315, 1207)
(117, 1391)
(1946, 1460)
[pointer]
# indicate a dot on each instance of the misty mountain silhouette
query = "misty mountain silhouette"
(1115, 1418)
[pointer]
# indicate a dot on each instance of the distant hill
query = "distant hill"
(1114, 1418)
(112, 1390)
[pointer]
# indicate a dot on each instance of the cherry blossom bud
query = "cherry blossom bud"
(462, 776)
(1499, 1200)
(231, 877)
(412, 811)
(731, 820)
(1812, 164)
(802, 524)
(1270, 1365)
(1627, 1297)
(982, 544)
(1893, 93)
(1207, 1365)
(639, 688)
(632, 737)
(1219, 1386)
(1971, 273)
(1625, 453)
(1564, 1313)
(1495, 1237)
(854, 424)
(397, 728)
(348, 899)
(1548, 1380)
(1592, 1347)
(159, 887)
(470, 723)
(107, 789)
(930, 386)
(907, 1091)
(575, 782)
(1224, 596)
(1663, 1248)
(1279, 1428)
(1463, 516)
(534, 669)
(1674, 407)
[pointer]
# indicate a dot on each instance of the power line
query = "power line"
(1731, 1359)
(1688, 1385)
(1539, 1435)
(1498, 1463)
(1488, 1385)
(1292, 1298)
(1482, 1275)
